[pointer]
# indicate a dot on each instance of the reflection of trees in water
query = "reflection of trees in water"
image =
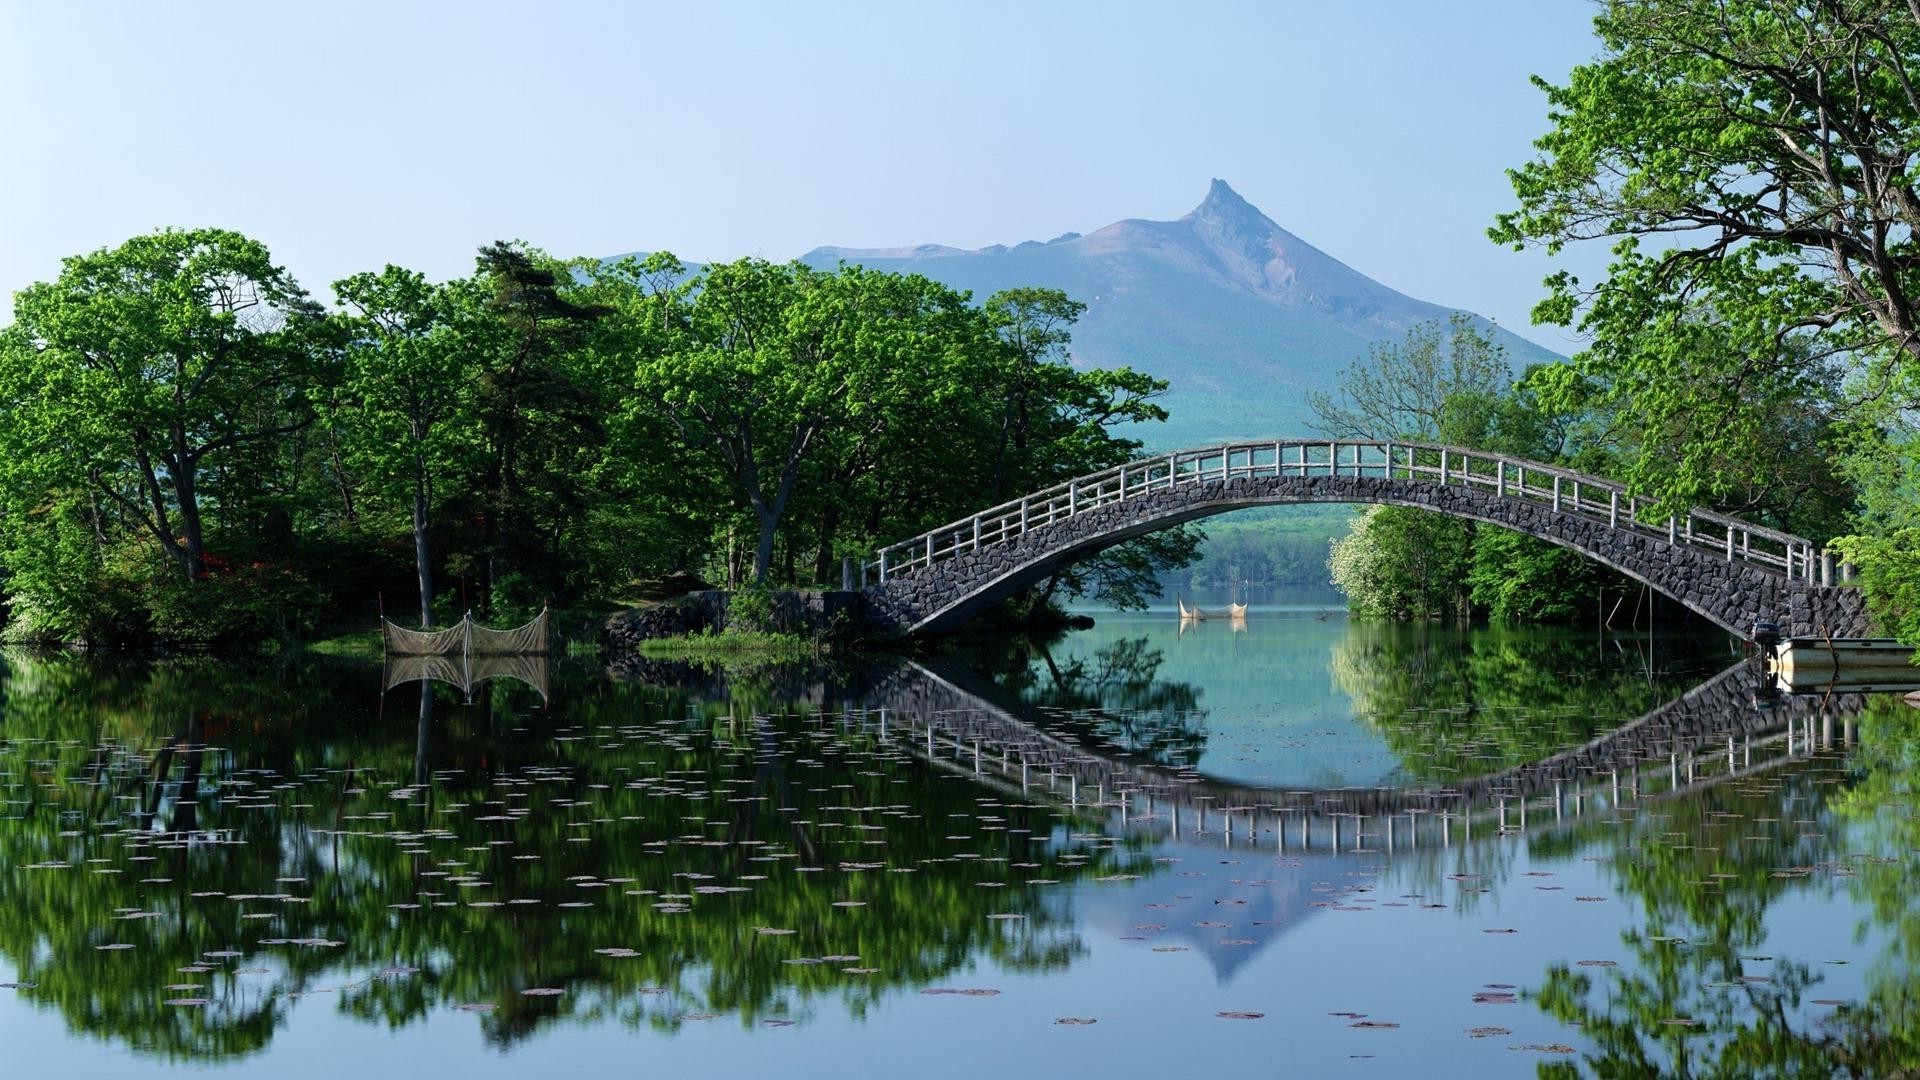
(314, 797)
(1452, 704)
(1706, 870)
(1115, 695)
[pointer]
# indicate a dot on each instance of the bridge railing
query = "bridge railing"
(1563, 490)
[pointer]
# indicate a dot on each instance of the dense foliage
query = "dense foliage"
(1451, 383)
(1754, 342)
(193, 450)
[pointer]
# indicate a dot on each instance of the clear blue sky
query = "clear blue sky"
(347, 135)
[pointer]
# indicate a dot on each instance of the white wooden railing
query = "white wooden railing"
(1567, 492)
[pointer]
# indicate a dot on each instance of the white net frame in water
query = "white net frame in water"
(467, 638)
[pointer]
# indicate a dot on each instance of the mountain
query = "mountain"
(1242, 316)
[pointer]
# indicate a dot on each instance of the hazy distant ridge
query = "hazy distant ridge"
(1242, 315)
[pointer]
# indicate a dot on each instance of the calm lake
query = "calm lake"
(1287, 845)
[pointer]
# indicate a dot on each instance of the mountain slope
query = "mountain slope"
(1239, 314)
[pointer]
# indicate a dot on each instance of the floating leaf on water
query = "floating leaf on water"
(1234, 1015)
(477, 1006)
(188, 1001)
(542, 991)
(1375, 1024)
(115, 947)
(1076, 1021)
(963, 993)
(1484, 1032)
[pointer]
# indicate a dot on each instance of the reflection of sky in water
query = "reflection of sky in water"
(1278, 712)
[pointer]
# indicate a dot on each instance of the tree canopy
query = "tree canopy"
(194, 450)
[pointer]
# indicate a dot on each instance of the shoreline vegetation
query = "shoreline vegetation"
(194, 452)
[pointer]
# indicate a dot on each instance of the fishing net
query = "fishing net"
(468, 672)
(466, 638)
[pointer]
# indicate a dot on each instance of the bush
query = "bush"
(750, 609)
(1888, 569)
(256, 603)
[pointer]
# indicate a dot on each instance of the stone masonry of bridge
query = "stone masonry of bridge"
(1734, 595)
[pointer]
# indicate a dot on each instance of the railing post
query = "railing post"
(1500, 478)
(976, 532)
(883, 566)
(1826, 568)
(1556, 494)
(1673, 530)
(1389, 461)
(1443, 466)
(1729, 541)
(1613, 509)
(1333, 459)
(1024, 499)
(1123, 483)
(846, 573)
(929, 551)
(1073, 498)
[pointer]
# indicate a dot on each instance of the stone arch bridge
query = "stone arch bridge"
(1729, 571)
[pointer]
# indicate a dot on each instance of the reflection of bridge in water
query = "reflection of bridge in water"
(1730, 726)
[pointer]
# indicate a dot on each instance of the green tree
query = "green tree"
(409, 379)
(768, 365)
(542, 397)
(1403, 390)
(140, 367)
(1749, 161)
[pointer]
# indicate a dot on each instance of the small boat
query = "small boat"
(1845, 664)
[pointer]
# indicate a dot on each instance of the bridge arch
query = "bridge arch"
(1730, 572)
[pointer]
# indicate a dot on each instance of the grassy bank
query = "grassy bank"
(735, 643)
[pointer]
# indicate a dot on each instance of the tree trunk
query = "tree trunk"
(422, 560)
(763, 553)
(186, 491)
(340, 472)
(182, 470)
(823, 560)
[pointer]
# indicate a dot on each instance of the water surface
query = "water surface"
(1387, 849)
